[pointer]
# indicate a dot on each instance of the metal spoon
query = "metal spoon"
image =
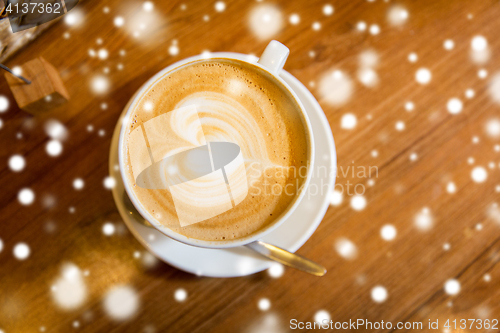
(287, 258)
(267, 250)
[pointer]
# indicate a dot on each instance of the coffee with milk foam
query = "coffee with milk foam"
(236, 153)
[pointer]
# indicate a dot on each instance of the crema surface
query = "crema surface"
(235, 102)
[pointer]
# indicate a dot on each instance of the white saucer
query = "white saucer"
(240, 261)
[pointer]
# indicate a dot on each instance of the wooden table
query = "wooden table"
(440, 235)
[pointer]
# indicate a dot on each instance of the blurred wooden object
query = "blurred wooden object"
(11, 43)
(46, 90)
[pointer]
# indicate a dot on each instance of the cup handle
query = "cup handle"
(274, 57)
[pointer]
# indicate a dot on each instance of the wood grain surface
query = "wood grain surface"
(443, 232)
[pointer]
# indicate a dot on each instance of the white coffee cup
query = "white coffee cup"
(272, 61)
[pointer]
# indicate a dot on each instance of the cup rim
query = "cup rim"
(198, 242)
